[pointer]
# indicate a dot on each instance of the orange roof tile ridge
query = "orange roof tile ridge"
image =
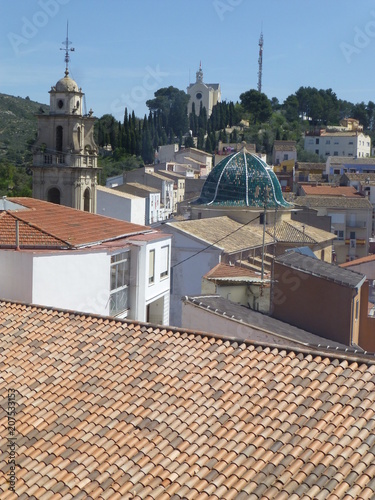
(366, 358)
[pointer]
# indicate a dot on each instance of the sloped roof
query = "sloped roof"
(223, 232)
(50, 225)
(361, 260)
(232, 273)
(328, 190)
(109, 409)
(340, 202)
(284, 146)
(274, 330)
(294, 232)
(317, 267)
(359, 177)
(349, 160)
(137, 189)
(116, 192)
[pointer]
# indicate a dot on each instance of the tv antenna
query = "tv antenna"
(67, 50)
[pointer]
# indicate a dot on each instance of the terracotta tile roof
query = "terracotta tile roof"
(284, 146)
(349, 160)
(223, 232)
(362, 260)
(106, 409)
(226, 271)
(28, 236)
(359, 177)
(296, 232)
(47, 224)
(328, 190)
(340, 202)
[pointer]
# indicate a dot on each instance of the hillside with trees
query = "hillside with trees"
(132, 142)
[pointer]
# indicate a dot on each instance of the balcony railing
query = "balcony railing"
(64, 159)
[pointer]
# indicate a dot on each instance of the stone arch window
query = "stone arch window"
(79, 136)
(59, 138)
(54, 195)
(86, 200)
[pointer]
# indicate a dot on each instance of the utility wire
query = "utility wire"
(215, 242)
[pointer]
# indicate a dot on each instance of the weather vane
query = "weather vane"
(67, 49)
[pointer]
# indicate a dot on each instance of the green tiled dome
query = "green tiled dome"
(242, 179)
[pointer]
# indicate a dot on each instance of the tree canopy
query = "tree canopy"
(257, 104)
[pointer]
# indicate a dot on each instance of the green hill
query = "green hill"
(18, 127)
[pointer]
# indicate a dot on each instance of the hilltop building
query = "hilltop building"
(65, 154)
(347, 139)
(203, 94)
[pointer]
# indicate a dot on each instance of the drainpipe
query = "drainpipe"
(17, 235)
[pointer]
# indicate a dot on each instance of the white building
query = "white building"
(354, 144)
(196, 160)
(154, 209)
(120, 205)
(203, 94)
(60, 257)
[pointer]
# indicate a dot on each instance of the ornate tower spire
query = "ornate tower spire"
(67, 50)
(200, 73)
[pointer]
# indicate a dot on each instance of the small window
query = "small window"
(316, 141)
(164, 262)
(151, 266)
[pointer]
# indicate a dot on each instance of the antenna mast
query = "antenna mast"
(260, 62)
(67, 49)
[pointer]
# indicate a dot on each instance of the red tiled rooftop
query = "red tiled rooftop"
(362, 260)
(328, 190)
(107, 408)
(227, 271)
(46, 224)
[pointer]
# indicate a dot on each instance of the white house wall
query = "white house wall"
(16, 275)
(187, 275)
(72, 280)
(126, 209)
(145, 293)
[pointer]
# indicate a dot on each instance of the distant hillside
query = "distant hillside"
(18, 126)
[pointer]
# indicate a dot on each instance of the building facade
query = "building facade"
(354, 144)
(59, 257)
(204, 95)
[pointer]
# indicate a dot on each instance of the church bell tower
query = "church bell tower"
(65, 154)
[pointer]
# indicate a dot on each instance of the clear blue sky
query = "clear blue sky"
(127, 49)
